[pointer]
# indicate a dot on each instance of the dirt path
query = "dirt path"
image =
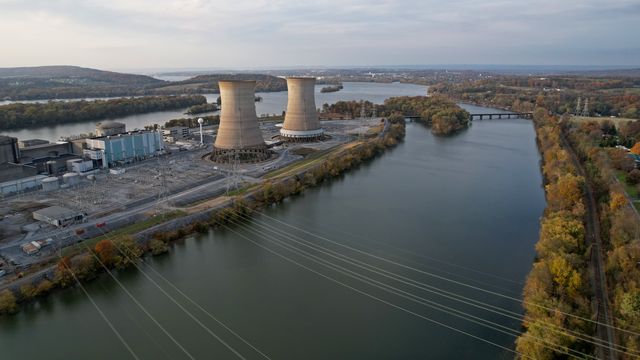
(596, 264)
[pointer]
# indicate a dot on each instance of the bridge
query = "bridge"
(490, 116)
(525, 115)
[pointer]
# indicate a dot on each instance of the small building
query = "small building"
(31, 248)
(109, 128)
(9, 151)
(175, 133)
(31, 142)
(58, 216)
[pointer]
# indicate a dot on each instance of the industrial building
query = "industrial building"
(239, 136)
(31, 142)
(58, 216)
(9, 151)
(301, 119)
(108, 151)
(175, 133)
(109, 128)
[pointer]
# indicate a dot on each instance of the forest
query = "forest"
(25, 115)
(607, 97)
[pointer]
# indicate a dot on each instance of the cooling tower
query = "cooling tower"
(239, 135)
(301, 119)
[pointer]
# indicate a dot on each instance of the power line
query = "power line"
(377, 298)
(438, 276)
(432, 289)
(149, 315)
(410, 296)
(102, 314)
(190, 300)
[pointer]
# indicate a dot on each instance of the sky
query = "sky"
(168, 34)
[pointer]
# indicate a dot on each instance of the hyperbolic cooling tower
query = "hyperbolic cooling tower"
(239, 135)
(301, 119)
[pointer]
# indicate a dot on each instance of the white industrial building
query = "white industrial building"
(58, 216)
(108, 151)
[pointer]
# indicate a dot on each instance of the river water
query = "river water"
(464, 208)
(272, 103)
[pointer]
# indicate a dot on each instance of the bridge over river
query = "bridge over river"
(490, 116)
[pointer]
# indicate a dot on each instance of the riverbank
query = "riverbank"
(84, 263)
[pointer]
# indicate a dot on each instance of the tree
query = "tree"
(630, 306)
(618, 200)
(636, 148)
(565, 193)
(7, 302)
(106, 252)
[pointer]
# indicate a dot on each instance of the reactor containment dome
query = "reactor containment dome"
(301, 119)
(239, 137)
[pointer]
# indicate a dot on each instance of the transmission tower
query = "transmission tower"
(585, 110)
(362, 112)
(233, 178)
(578, 107)
(374, 111)
(163, 190)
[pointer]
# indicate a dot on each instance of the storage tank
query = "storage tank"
(71, 178)
(239, 135)
(301, 119)
(50, 184)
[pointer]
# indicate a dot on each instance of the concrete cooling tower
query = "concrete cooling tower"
(239, 134)
(301, 119)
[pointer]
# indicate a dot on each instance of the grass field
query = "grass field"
(616, 121)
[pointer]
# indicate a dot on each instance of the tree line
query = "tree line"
(558, 283)
(25, 115)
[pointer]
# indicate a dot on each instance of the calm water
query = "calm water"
(272, 103)
(443, 205)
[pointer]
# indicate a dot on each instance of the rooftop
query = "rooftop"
(56, 212)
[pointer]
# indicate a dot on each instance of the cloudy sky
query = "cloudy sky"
(128, 34)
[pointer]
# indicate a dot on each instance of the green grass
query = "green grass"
(632, 190)
(127, 230)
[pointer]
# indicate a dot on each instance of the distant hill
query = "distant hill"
(66, 82)
(209, 83)
(75, 75)
(46, 82)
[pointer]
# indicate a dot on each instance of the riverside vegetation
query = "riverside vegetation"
(24, 115)
(444, 116)
(122, 250)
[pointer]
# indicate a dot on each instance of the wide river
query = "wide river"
(272, 103)
(457, 214)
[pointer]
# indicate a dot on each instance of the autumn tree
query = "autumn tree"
(7, 302)
(106, 252)
(636, 148)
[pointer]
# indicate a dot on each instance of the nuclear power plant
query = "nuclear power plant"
(301, 119)
(239, 137)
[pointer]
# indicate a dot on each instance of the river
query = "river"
(465, 208)
(272, 103)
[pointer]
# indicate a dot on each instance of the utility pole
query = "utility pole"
(585, 110)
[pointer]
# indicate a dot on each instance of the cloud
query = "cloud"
(242, 33)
